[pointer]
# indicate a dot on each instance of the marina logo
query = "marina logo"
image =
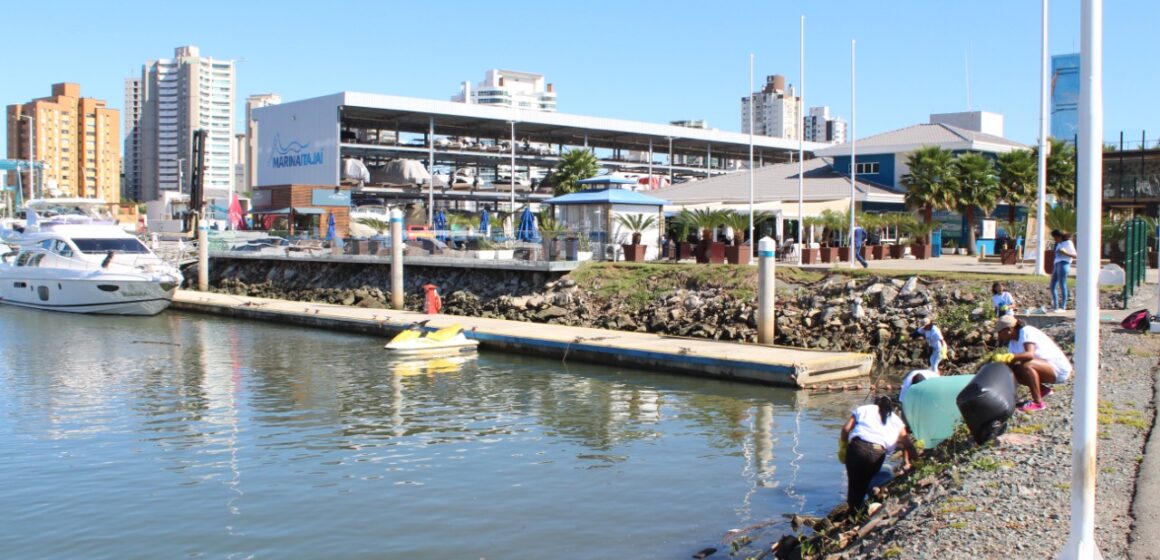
(294, 154)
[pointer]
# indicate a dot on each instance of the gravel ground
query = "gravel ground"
(1013, 499)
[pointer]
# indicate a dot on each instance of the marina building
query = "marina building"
(255, 101)
(820, 127)
(508, 88)
(428, 151)
(78, 140)
(176, 97)
(777, 110)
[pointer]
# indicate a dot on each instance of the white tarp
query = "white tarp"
(354, 168)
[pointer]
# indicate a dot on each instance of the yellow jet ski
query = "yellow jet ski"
(445, 341)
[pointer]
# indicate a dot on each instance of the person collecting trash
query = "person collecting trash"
(1001, 300)
(871, 435)
(934, 339)
(1035, 359)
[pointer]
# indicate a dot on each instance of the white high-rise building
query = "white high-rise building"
(507, 88)
(777, 111)
(256, 101)
(819, 127)
(178, 96)
(131, 161)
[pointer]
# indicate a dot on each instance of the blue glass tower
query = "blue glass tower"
(1065, 96)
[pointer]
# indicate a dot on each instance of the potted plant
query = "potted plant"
(505, 252)
(550, 233)
(485, 249)
(584, 250)
(637, 224)
(739, 252)
(832, 235)
(874, 224)
(921, 231)
(902, 223)
(709, 250)
(811, 255)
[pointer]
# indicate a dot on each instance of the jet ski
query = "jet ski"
(416, 341)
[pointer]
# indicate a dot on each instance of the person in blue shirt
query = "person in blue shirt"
(1001, 299)
(859, 241)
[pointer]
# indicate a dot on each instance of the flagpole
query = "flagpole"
(801, 137)
(751, 109)
(1081, 544)
(853, 146)
(1041, 198)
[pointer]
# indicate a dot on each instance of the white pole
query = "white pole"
(670, 158)
(202, 253)
(853, 147)
(750, 149)
(1041, 197)
(514, 164)
(431, 172)
(396, 259)
(650, 163)
(801, 140)
(1081, 543)
(766, 292)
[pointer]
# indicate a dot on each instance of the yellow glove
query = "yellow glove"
(842, 452)
(1003, 357)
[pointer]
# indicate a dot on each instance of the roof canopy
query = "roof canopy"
(606, 180)
(778, 183)
(607, 196)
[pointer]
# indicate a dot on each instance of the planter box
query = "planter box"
(710, 252)
(1008, 256)
(485, 254)
(829, 254)
(738, 254)
(921, 250)
(880, 252)
(505, 254)
(634, 253)
(811, 256)
(551, 249)
(844, 253)
(686, 251)
(897, 251)
(584, 255)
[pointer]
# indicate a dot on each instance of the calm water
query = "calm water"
(191, 436)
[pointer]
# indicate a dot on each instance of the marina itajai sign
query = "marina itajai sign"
(298, 143)
(294, 154)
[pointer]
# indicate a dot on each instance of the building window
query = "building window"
(866, 168)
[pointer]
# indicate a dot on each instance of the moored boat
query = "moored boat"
(446, 341)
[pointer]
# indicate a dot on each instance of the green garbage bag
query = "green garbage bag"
(930, 409)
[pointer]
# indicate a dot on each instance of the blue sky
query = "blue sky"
(648, 61)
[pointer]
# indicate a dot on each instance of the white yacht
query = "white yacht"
(74, 260)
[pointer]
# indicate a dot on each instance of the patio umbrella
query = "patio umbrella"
(330, 233)
(527, 230)
(484, 223)
(236, 220)
(440, 226)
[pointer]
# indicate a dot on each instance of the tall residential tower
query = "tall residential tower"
(178, 96)
(507, 88)
(77, 138)
(819, 127)
(778, 111)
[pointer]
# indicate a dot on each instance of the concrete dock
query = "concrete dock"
(773, 365)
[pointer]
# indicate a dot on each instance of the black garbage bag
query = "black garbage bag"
(988, 401)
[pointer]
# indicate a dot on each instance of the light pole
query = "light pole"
(31, 158)
(513, 174)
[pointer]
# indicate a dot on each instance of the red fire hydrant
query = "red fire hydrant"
(432, 303)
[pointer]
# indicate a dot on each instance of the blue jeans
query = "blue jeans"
(1059, 279)
(862, 259)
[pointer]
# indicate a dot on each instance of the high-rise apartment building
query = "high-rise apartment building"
(78, 140)
(820, 127)
(506, 88)
(131, 158)
(1065, 96)
(178, 96)
(256, 101)
(777, 110)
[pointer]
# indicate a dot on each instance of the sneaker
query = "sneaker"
(1060, 310)
(1033, 407)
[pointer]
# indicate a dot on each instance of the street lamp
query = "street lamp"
(31, 158)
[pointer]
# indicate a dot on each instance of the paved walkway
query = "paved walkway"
(707, 358)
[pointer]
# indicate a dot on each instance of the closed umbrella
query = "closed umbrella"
(527, 230)
(440, 226)
(484, 223)
(236, 219)
(330, 229)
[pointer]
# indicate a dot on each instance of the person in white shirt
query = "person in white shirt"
(1001, 300)
(871, 435)
(914, 378)
(1037, 361)
(1064, 253)
(934, 339)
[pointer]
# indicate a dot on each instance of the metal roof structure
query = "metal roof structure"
(607, 196)
(912, 137)
(778, 183)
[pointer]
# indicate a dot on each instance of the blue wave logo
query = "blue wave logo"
(294, 147)
(293, 154)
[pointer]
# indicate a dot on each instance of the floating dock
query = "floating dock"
(774, 365)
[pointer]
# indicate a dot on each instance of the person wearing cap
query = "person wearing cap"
(870, 436)
(1036, 360)
(934, 339)
(914, 378)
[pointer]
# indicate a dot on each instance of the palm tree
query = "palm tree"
(930, 184)
(380, 226)
(739, 221)
(1060, 169)
(574, 165)
(833, 222)
(1018, 175)
(636, 223)
(706, 220)
(978, 189)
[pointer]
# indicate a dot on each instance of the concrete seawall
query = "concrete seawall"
(705, 358)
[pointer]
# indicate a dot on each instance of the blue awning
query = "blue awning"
(606, 180)
(607, 196)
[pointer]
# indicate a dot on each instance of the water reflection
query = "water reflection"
(224, 431)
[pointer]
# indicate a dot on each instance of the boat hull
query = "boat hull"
(113, 294)
(415, 348)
